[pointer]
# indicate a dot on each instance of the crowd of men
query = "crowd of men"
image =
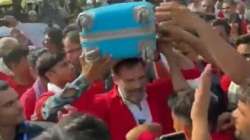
(198, 84)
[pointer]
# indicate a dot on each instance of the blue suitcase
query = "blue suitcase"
(124, 30)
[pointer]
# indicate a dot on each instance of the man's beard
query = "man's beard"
(135, 95)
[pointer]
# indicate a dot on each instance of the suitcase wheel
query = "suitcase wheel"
(84, 21)
(142, 14)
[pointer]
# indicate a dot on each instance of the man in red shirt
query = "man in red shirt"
(131, 102)
(15, 58)
(30, 96)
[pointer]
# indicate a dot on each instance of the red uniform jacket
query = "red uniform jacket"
(28, 100)
(227, 135)
(20, 89)
(225, 82)
(120, 120)
(115, 113)
(81, 104)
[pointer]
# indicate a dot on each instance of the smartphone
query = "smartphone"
(174, 136)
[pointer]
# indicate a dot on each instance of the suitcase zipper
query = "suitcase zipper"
(117, 34)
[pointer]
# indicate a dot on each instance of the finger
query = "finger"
(70, 108)
(104, 60)
(164, 40)
(59, 115)
(167, 27)
(82, 58)
(163, 16)
(162, 9)
(172, 6)
(107, 63)
(206, 76)
(92, 54)
(169, 4)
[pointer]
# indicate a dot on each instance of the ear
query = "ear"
(12, 66)
(115, 78)
(49, 75)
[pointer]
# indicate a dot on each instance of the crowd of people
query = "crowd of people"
(198, 84)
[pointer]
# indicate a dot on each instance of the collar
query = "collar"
(54, 88)
(127, 102)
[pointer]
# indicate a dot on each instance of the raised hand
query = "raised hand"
(177, 14)
(95, 67)
(202, 96)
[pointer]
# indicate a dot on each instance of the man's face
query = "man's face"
(73, 52)
(49, 44)
(248, 27)
(241, 8)
(242, 121)
(221, 31)
(11, 112)
(132, 82)
(227, 10)
(22, 67)
(206, 6)
(244, 50)
(63, 72)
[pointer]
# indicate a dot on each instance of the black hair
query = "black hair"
(87, 127)
(129, 63)
(46, 61)
(34, 55)
(71, 27)
(181, 104)
(14, 56)
(78, 127)
(73, 36)
(244, 39)
(223, 23)
(55, 35)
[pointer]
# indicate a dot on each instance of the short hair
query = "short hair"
(34, 55)
(71, 27)
(55, 35)
(11, 51)
(244, 39)
(244, 92)
(223, 23)
(231, 2)
(46, 61)
(87, 127)
(73, 36)
(128, 63)
(53, 133)
(181, 104)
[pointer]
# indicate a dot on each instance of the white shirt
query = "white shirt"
(54, 88)
(141, 115)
